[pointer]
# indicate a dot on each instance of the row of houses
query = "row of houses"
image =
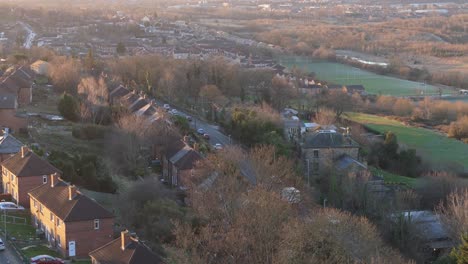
(72, 223)
(176, 155)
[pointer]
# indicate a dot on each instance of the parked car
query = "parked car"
(218, 146)
(201, 131)
(2, 245)
(46, 259)
(173, 112)
(189, 118)
(206, 136)
(167, 107)
(10, 206)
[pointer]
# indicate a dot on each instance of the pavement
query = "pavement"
(9, 256)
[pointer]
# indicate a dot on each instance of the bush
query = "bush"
(459, 129)
(89, 132)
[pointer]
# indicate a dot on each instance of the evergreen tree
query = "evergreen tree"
(68, 107)
(461, 253)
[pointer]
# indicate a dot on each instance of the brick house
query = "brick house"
(325, 149)
(9, 146)
(23, 172)
(8, 116)
(72, 223)
(18, 81)
(178, 162)
(124, 250)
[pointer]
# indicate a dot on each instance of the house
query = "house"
(19, 82)
(23, 172)
(355, 88)
(118, 93)
(126, 249)
(41, 67)
(179, 161)
(72, 223)
(8, 116)
(323, 148)
(430, 230)
(9, 146)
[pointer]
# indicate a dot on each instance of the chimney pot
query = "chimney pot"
(123, 239)
(53, 178)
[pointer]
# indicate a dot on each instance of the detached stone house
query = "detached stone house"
(23, 172)
(72, 223)
(325, 149)
(124, 250)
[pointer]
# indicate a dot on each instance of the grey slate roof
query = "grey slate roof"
(8, 101)
(345, 161)
(9, 144)
(328, 139)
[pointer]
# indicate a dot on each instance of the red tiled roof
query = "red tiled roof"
(79, 208)
(135, 252)
(29, 165)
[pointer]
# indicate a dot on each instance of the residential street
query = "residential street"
(9, 256)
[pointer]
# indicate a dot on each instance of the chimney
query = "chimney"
(53, 179)
(71, 192)
(24, 151)
(123, 239)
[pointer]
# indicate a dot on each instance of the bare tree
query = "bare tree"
(454, 213)
(95, 97)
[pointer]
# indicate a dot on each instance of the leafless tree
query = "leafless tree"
(454, 213)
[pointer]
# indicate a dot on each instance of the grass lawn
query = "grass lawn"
(441, 151)
(33, 251)
(338, 73)
(22, 230)
(390, 178)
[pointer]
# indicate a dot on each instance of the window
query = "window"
(51, 217)
(96, 223)
(35, 203)
(12, 176)
(58, 241)
(316, 153)
(40, 208)
(58, 222)
(44, 179)
(315, 166)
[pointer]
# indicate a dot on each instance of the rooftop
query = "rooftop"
(328, 139)
(26, 163)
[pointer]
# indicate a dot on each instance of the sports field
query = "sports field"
(441, 151)
(338, 73)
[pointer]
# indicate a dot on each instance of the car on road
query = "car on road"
(46, 259)
(206, 136)
(201, 131)
(167, 107)
(173, 112)
(10, 206)
(2, 245)
(218, 146)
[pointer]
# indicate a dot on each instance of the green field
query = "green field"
(390, 178)
(441, 151)
(338, 73)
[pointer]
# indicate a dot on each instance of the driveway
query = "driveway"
(9, 256)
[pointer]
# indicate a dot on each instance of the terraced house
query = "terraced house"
(23, 172)
(72, 223)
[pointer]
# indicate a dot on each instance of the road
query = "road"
(9, 256)
(217, 137)
(30, 37)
